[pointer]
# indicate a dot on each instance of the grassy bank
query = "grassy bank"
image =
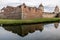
(10, 21)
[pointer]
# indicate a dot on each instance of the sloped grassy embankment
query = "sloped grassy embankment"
(12, 21)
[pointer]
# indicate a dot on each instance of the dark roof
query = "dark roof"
(24, 4)
(56, 7)
(40, 5)
(9, 7)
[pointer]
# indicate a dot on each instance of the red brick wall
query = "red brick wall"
(22, 12)
(12, 13)
(32, 13)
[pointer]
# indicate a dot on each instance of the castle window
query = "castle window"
(36, 9)
(2, 10)
(24, 6)
(29, 8)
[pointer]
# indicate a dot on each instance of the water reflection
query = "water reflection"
(24, 30)
(56, 24)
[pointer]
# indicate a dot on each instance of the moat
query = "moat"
(48, 31)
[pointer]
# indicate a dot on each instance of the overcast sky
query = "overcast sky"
(49, 4)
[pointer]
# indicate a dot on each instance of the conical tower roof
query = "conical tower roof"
(56, 10)
(23, 3)
(41, 5)
(56, 7)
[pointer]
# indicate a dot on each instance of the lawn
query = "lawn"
(12, 21)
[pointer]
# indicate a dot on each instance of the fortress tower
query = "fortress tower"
(56, 10)
(41, 7)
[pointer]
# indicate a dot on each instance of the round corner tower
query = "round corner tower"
(41, 7)
(56, 10)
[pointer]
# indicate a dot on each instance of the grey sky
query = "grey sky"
(49, 4)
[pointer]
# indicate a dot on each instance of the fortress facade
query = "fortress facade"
(26, 12)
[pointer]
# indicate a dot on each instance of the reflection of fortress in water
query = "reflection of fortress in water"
(56, 25)
(23, 30)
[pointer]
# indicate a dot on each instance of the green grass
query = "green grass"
(10, 21)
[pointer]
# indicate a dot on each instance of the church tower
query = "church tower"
(41, 7)
(56, 10)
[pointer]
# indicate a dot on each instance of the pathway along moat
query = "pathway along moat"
(46, 31)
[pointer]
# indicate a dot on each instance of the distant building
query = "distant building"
(56, 10)
(25, 12)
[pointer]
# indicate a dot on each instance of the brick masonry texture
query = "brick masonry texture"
(26, 12)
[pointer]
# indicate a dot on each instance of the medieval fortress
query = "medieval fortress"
(26, 12)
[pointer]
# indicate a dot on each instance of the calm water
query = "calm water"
(31, 32)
